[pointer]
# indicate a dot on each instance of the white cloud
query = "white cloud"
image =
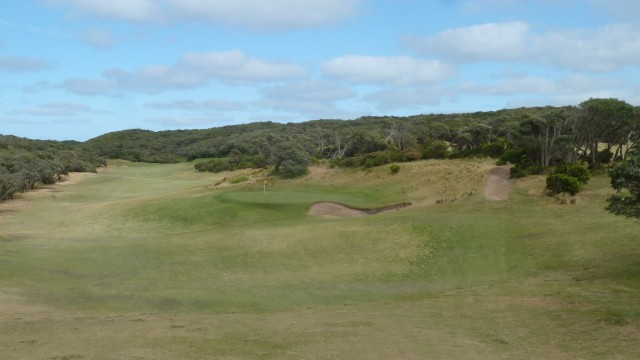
(191, 71)
(493, 41)
(399, 70)
(608, 48)
(155, 79)
(22, 64)
(510, 86)
(403, 98)
(255, 14)
(272, 15)
(528, 90)
(628, 9)
(126, 10)
(187, 121)
(236, 67)
(194, 70)
(574, 84)
(99, 39)
(310, 91)
(316, 99)
(59, 109)
(38, 86)
(207, 105)
(478, 6)
(520, 88)
(605, 49)
(83, 86)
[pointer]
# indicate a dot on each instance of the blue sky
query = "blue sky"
(76, 69)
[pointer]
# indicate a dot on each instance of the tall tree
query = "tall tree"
(401, 135)
(554, 126)
(607, 121)
(287, 156)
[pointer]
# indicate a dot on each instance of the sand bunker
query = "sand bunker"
(333, 209)
(498, 185)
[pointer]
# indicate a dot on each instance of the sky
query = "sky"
(77, 69)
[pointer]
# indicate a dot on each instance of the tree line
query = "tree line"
(27, 164)
(594, 132)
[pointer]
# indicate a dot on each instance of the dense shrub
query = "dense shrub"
(370, 160)
(494, 149)
(395, 168)
(580, 173)
(232, 163)
(626, 176)
(560, 183)
(411, 155)
(291, 169)
(520, 171)
(213, 165)
(435, 150)
(604, 156)
(512, 156)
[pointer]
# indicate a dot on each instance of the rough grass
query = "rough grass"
(153, 262)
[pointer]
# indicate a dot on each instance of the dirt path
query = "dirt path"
(498, 185)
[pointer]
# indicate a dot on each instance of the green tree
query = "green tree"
(608, 121)
(435, 150)
(288, 157)
(561, 183)
(581, 173)
(553, 127)
(626, 176)
(401, 135)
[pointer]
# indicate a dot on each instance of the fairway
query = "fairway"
(147, 261)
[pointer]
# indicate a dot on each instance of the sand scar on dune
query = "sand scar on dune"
(498, 185)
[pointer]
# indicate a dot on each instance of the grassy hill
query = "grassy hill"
(156, 261)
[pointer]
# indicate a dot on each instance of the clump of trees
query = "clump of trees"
(573, 134)
(27, 164)
(235, 162)
(288, 158)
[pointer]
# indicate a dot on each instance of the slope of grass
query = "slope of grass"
(155, 262)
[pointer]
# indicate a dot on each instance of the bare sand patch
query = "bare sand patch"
(73, 178)
(333, 209)
(20, 200)
(498, 185)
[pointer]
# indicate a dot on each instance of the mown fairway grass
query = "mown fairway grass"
(155, 262)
